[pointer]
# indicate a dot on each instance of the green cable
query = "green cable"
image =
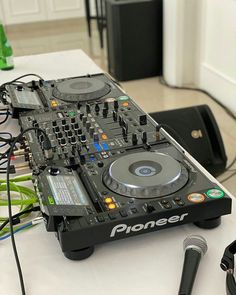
(26, 197)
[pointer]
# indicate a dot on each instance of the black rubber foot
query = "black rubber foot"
(79, 254)
(209, 223)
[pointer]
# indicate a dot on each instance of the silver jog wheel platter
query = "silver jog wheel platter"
(145, 175)
(80, 89)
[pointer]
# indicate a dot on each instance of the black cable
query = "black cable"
(228, 111)
(175, 135)
(231, 164)
(5, 119)
(47, 147)
(37, 208)
(26, 75)
(228, 177)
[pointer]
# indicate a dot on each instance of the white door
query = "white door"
(24, 11)
(58, 9)
(16, 11)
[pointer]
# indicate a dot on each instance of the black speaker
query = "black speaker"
(195, 128)
(134, 38)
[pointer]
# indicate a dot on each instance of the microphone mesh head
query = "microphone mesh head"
(195, 241)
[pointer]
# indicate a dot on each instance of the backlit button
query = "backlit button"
(100, 218)
(112, 216)
(215, 193)
(196, 198)
(54, 103)
(123, 213)
(167, 206)
(108, 200)
(123, 98)
(104, 136)
(125, 104)
(111, 206)
(164, 202)
(134, 210)
(180, 203)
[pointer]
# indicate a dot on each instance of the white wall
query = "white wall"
(200, 46)
(217, 68)
(181, 48)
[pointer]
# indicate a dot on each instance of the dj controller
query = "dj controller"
(115, 172)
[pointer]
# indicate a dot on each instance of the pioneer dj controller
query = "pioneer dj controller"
(115, 172)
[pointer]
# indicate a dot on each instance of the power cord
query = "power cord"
(228, 169)
(228, 111)
(48, 155)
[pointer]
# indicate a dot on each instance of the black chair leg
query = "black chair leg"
(88, 16)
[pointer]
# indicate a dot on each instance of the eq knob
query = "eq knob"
(88, 124)
(69, 133)
(79, 131)
(56, 129)
(63, 141)
(73, 140)
(72, 120)
(76, 126)
(59, 135)
(54, 123)
(97, 108)
(63, 122)
(79, 105)
(116, 105)
(67, 127)
(83, 139)
(88, 109)
(104, 112)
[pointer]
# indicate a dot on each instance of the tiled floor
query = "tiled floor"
(149, 93)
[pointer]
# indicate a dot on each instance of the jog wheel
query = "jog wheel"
(80, 89)
(145, 175)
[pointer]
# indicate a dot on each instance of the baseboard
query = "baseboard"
(221, 86)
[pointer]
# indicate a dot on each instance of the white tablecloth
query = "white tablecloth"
(146, 264)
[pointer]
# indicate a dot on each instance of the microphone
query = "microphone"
(195, 248)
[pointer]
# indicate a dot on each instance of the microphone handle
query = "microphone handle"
(191, 263)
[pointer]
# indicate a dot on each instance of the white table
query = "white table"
(146, 264)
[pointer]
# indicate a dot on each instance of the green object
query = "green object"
(123, 98)
(215, 193)
(6, 53)
(51, 200)
(71, 113)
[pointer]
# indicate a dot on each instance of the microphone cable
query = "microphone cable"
(47, 148)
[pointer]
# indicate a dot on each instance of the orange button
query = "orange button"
(108, 200)
(196, 198)
(54, 103)
(111, 206)
(125, 104)
(104, 136)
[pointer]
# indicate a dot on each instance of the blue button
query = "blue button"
(97, 147)
(105, 146)
(92, 158)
